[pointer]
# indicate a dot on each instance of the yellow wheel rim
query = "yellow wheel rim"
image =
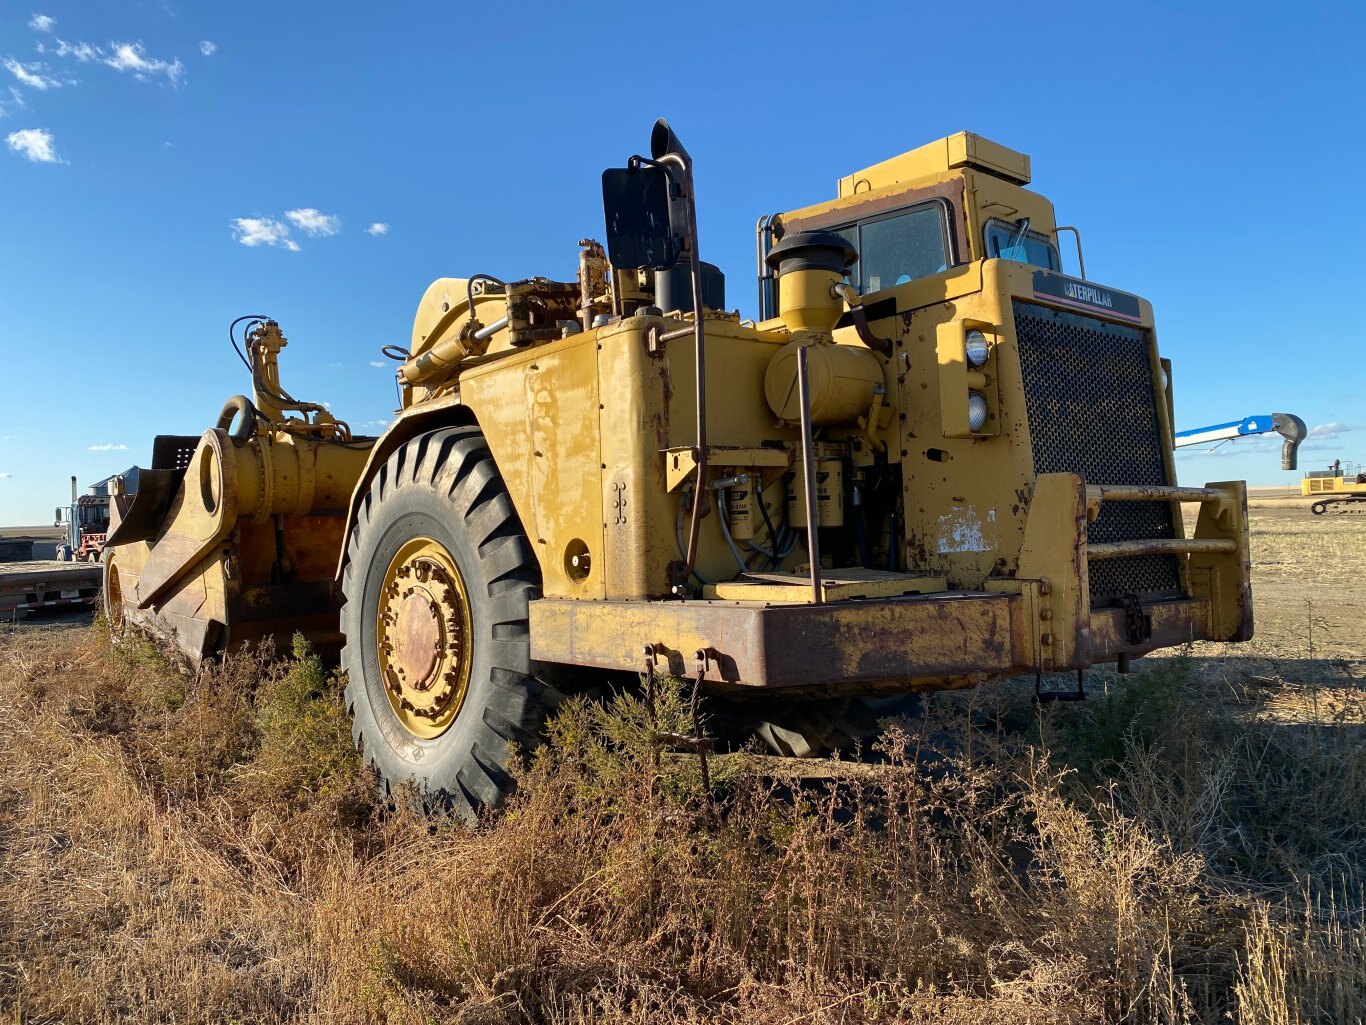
(423, 637)
(113, 598)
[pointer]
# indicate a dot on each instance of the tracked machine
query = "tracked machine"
(932, 460)
(1340, 488)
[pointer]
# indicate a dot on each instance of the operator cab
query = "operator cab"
(938, 207)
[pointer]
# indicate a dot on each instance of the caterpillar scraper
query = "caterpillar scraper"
(934, 459)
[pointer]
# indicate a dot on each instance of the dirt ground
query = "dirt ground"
(1307, 588)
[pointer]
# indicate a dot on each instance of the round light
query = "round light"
(976, 345)
(977, 411)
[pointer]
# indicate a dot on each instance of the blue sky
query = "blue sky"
(1201, 149)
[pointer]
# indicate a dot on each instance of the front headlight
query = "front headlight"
(975, 344)
(977, 411)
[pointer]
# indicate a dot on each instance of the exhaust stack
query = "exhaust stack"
(1292, 429)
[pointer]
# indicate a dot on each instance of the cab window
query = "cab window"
(900, 247)
(1006, 241)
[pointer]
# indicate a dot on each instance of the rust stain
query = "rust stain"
(660, 420)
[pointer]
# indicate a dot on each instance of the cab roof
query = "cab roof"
(961, 150)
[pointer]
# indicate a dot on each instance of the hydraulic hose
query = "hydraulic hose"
(239, 406)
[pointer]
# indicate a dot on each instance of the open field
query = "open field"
(1189, 845)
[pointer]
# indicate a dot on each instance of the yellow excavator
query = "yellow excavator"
(934, 459)
(1341, 488)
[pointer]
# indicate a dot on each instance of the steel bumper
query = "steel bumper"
(923, 642)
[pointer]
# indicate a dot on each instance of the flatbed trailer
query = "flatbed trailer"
(25, 586)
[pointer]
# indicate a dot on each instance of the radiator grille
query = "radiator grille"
(1091, 407)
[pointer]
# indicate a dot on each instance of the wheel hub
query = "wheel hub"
(423, 637)
(419, 639)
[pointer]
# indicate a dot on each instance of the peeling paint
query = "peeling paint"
(961, 529)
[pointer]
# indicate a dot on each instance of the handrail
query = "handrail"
(813, 544)
(1161, 546)
(1098, 494)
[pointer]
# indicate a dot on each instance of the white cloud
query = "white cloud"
(15, 102)
(32, 75)
(1332, 430)
(41, 23)
(6, 476)
(132, 57)
(83, 52)
(263, 231)
(34, 143)
(377, 363)
(207, 48)
(108, 448)
(378, 228)
(314, 222)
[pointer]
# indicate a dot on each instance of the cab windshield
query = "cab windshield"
(1006, 241)
(901, 247)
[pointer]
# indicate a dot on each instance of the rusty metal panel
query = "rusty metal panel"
(750, 644)
(1173, 623)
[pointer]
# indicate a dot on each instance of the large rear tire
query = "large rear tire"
(438, 577)
(111, 601)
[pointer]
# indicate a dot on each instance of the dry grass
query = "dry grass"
(1188, 846)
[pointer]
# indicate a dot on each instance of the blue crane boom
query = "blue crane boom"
(1290, 427)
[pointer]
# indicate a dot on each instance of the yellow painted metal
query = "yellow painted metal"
(1096, 495)
(807, 304)
(241, 544)
(423, 636)
(1338, 485)
(277, 474)
(972, 198)
(1159, 546)
(1052, 571)
(594, 435)
(838, 585)
(618, 480)
(437, 343)
(1222, 578)
(539, 409)
(957, 380)
(959, 151)
(680, 464)
(842, 380)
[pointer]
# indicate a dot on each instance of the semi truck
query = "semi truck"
(86, 519)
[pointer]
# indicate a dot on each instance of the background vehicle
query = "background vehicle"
(1341, 487)
(86, 519)
(935, 460)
